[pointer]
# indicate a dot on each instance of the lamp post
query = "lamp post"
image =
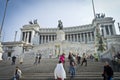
(1, 51)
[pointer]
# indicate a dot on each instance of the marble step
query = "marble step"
(50, 76)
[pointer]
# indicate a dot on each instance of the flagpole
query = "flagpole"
(1, 50)
(93, 8)
(3, 20)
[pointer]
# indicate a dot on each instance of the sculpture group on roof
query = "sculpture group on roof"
(100, 15)
(34, 22)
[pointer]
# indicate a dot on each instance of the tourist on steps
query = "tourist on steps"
(39, 58)
(107, 72)
(72, 68)
(84, 60)
(36, 59)
(17, 74)
(78, 58)
(62, 58)
(59, 72)
(13, 60)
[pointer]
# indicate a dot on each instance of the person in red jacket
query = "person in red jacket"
(62, 58)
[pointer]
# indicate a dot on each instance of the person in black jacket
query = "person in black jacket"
(39, 58)
(13, 60)
(108, 72)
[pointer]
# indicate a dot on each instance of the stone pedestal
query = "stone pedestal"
(60, 35)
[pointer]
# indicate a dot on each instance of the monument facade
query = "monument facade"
(76, 39)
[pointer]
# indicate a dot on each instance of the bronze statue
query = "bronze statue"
(60, 25)
(30, 22)
(35, 21)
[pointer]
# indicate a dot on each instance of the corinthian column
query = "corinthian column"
(91, 36)
(80, 37)
(73, 37)
(84, 37)
(87, 37)
(70, 37)
(109, 30)
(44, 38)
(41, 38)
(67, 37)
(27, 37)
(77, 37)
(48, 38)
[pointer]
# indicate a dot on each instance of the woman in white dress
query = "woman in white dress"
(59, 72)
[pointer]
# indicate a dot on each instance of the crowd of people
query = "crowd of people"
(73, 61)
(59, 71)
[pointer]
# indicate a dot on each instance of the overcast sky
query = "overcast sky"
(48, 12)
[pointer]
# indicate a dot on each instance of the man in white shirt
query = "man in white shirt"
(18, 73)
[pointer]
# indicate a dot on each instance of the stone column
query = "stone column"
(67, 37)
(48, 38)
(84, 37)
(41, 38)
(87, 37)
(70, 37)
(24, 36)
(21, 36)
(44, 38)
(104, 30)
(27, 37)
(53, 37)
(93, 35)
(113, 28)
(77, 38)
(109, 30)
(73, 37)
(91, 38)
(80, 37)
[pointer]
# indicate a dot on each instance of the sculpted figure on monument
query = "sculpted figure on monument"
(60, 25)
(30, 22)
(35, 21)
(102, 15)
